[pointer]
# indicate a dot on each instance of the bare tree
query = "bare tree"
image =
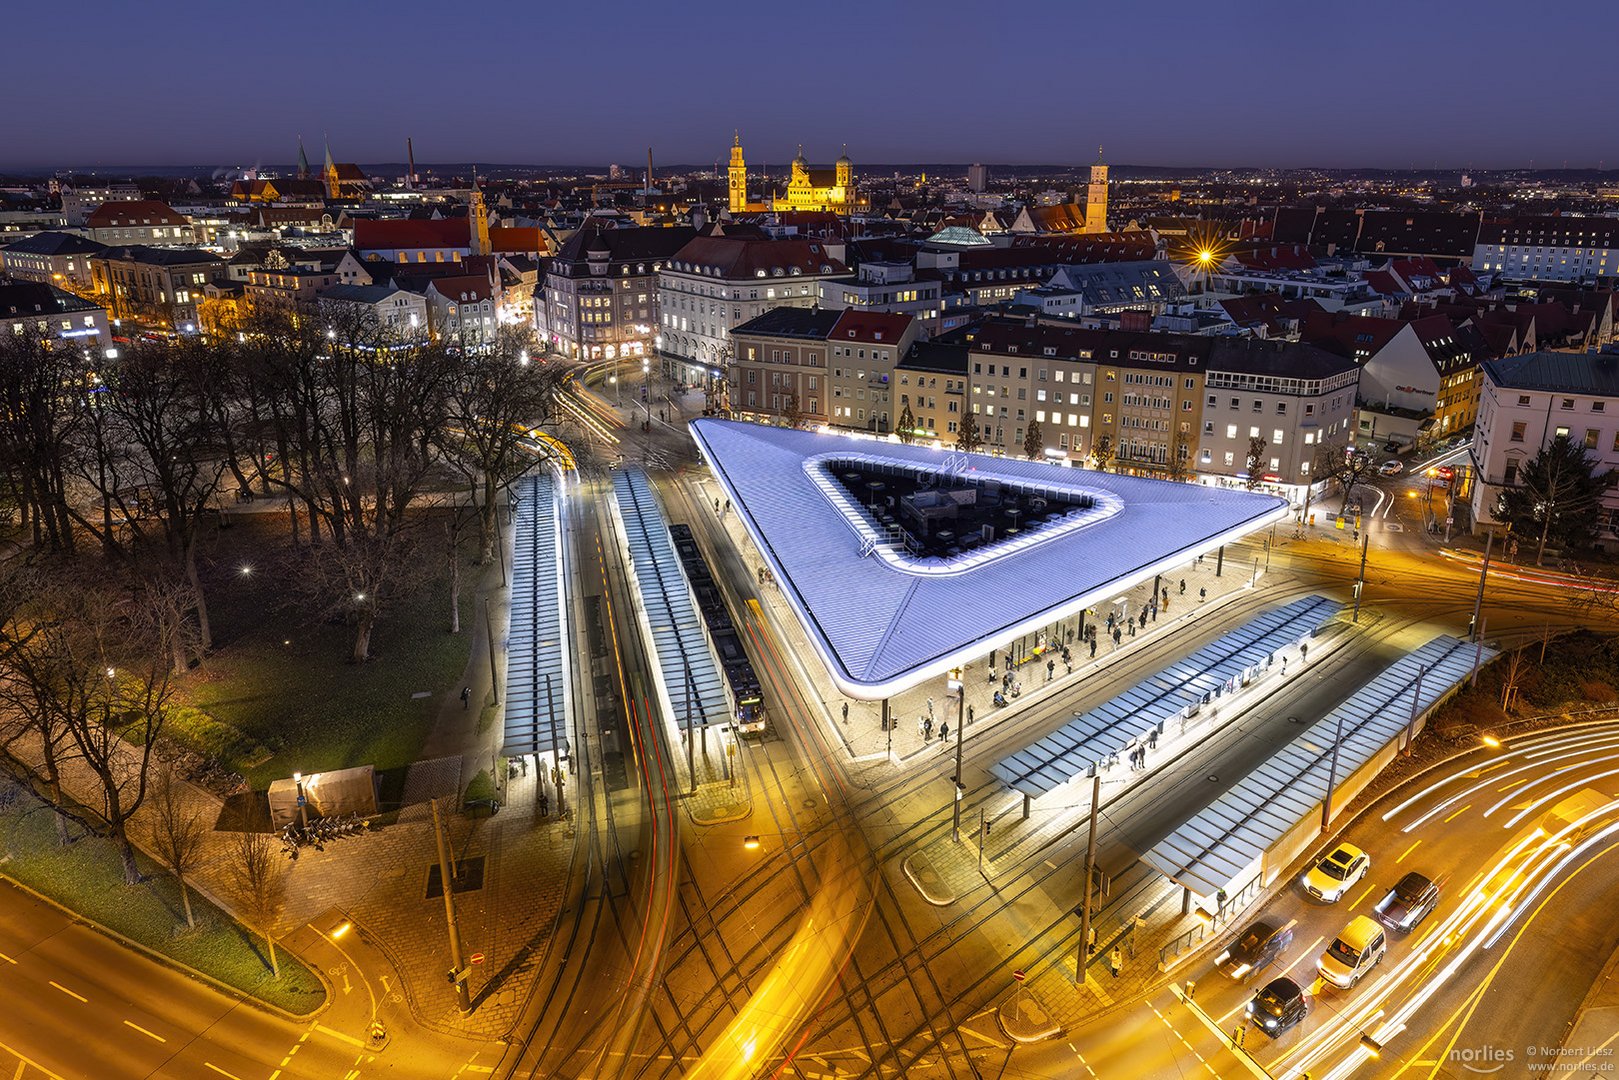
(1103, 452)
(39, 419)
(968, 437)
(27, 696)
(1348, 465)
(1256, 462)
(1178, 465)
(1034, 441)
(792, 416)
(454, 529)
(176, 834)
(258, 877)
(493, 398)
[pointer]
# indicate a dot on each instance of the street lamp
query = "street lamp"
(303, 810)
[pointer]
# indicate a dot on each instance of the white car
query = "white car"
(1336, 874)
(1391, 467)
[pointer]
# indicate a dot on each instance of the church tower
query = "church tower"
(303, 160)
(738, 173)
(845, 175)
(328, 173)
(478, 218)
(1096, 197)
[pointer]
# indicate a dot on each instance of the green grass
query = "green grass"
(278, 688)
(86, 877)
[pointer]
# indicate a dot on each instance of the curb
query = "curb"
(1048, 1028)
(924, 880)
(239, 995)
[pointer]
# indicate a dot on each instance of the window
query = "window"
(1590, 438)
(1510, 477)
(1517, 431)
(1213, 401)
(1231, 431)
(1561, 433)
(1276, 437)
(1230, 458)
(1566, 403)
(1208, 427)
(1596, 406)
(1281, 408)
(1253, 433)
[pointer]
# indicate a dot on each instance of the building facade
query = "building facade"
(156, 286)
(1292, 397)
(145, 222)
(716, 283)
(52, 258)
(1550, 248)
(1525, 402)
(598, 300)
(780, 374)
(32, 306)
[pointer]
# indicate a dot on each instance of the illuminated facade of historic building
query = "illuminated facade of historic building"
(831, 190)
(1096, 197)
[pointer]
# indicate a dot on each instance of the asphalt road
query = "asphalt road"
(78, 1005)
(1522, 929)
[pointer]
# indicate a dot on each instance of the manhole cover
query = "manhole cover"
(1294, 720)
(809, 804)
(1213, 779)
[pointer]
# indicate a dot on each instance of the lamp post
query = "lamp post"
(646, 387)
(1411, 721)
(618, 393)
(1332, 773)
(961, 717)
(1090, 868)
(1360, 582)
(303, 810)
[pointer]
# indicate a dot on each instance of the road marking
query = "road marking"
(21, 1065)
(1363, 896)
(222, 1072)
(143, 1031)
(68, 992)
(29, 1062)
(1406, 852)
(1516, 783)
(350, 1039)
(1457, 814)
(6, 958)
(1302, 955)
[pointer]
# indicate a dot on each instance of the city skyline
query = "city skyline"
(1186, 87)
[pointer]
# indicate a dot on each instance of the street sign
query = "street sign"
(477, 958)
(1019, 975)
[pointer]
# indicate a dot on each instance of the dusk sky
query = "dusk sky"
(1395, 85)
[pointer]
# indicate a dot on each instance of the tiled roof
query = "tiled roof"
(370, 235)
(54, 243)
(745, 259)
(870, 327)
(1558, 372)
(158, 256)
(125, 215)
(790, 322)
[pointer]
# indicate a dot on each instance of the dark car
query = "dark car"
(1280, 1005)
(1408, 903)
(1254, 949)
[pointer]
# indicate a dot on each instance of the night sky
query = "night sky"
(1389, 84)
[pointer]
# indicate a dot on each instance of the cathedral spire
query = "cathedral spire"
(303, 160)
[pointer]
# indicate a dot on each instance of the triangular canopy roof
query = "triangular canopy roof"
(883, 615)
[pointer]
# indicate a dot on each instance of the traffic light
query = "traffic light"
(449, 976)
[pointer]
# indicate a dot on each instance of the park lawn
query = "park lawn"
(284, 681)
(86, 877)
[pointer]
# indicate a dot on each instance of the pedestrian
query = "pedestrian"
(1284, 665)
(1183, 586)
(845, 712)
(1116, 637)
(1051, 670)
(1202, 594)
(1304, 651)
(545, 804)
(944, 731)
(716, 506)
(1110, 622)
(1115, 961)
(921, 727)
(969, 714)
(991, 672)
(1068, 660)
(466, 697)
(1166, 596)
(1093, 648)
(927, 726)
(727, 506)
(1152, 740)
(930, 708)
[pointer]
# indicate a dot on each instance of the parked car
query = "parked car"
(1446, 473)
(1407, 904)
(1354, 952)
(1280, 1005)
(1255, 949)
(1334, 875)
(1391, 467)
